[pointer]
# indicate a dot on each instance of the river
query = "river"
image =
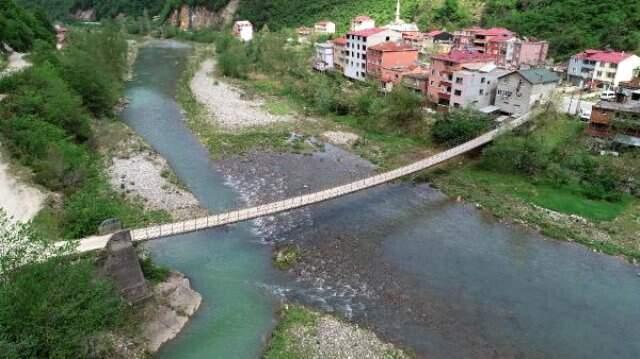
(425, 272)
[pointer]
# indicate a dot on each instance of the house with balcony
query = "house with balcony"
(515, 53)
(602, 68)
(358, 43)
(475, 86)
(340, 53)
(362, 22)
(443, 66)
(618, 122)
(477, 38)
(519, 91)
(324, 56)
(325, 27)
(437, 42)
(417, 80)
(386, 62)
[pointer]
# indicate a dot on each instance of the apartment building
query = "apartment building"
(358, 43)
(518, 91)
(475, 86)
(387, 61)
(598, 68)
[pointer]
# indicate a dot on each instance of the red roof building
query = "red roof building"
(387, 61)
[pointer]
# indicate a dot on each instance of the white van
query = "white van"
(608, 95)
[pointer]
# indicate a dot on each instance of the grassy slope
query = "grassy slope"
(614, 225)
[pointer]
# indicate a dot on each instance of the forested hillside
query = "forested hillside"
(60, 9)
(20, 28)
(571, 25)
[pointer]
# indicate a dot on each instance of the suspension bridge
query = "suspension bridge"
(218, 220)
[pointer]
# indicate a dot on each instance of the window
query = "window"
(599, 73)
(458, 80)
(611, 75)
(456, 105)
(613, 66)
(482, 80)
(457, 93)
(481, 92)
(388, 38)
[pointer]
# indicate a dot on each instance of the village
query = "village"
(491, 70)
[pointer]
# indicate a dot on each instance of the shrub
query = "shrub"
(516, 155)
(459, 126)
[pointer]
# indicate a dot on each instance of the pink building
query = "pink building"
(515, 53)
(387, 61)
(443, 67)
(477, 38)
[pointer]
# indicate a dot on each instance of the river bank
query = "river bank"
(438, 276)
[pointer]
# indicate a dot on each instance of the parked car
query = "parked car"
(608, 95)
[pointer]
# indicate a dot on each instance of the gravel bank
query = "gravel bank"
(16, 63)
(227, 105)
(147, 176)
(341, 138)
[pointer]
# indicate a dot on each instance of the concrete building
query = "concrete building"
(437, 42)
(324, 56)
(386, 62)
(243, 30)
(442, 68)
(518, 91)
(325, 27)
(417, 80)
(619, 122)
(358, 43)
(477, 38)
(514, 53)
(475, 86)
(340, 53)
(601, 68)
(362, 22)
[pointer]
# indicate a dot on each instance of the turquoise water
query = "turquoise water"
(447, 281)
(227, 266)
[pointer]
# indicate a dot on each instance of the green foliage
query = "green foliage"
(284, 344)
(570, 25)
(279, 14)
(19, 28)
(54, 308)
(451, 15)
(40, 92)
(233, 60)
(153, 272)
(94, 202)
(459, 126)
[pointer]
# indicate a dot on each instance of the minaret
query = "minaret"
(398, 12)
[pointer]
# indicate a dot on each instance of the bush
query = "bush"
(517, 155)
(459, 126)
(56, 308)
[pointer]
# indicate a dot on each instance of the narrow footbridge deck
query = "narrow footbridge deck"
(198, 224)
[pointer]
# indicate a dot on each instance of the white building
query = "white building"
(325, 27)
(360, 23)
(243, 30)
(399, 25)
(475, 86)
(324, 57)
(597, 67)
(358, 42)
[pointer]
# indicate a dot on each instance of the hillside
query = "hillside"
(571, 25)
(20, 28)
(61, 9)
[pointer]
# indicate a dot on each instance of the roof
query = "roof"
(392, 47)
(536, 76)
(627, 140)
(341, 41)
(324, 22)
(418, 75)
(243, 22)
(496, 31)
(465, 56)
(608, 56)
(366, 32)
(618, 107)
(434, 33)
(482, 67)
(633, 84)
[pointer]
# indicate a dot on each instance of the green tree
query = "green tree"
(459, 126)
